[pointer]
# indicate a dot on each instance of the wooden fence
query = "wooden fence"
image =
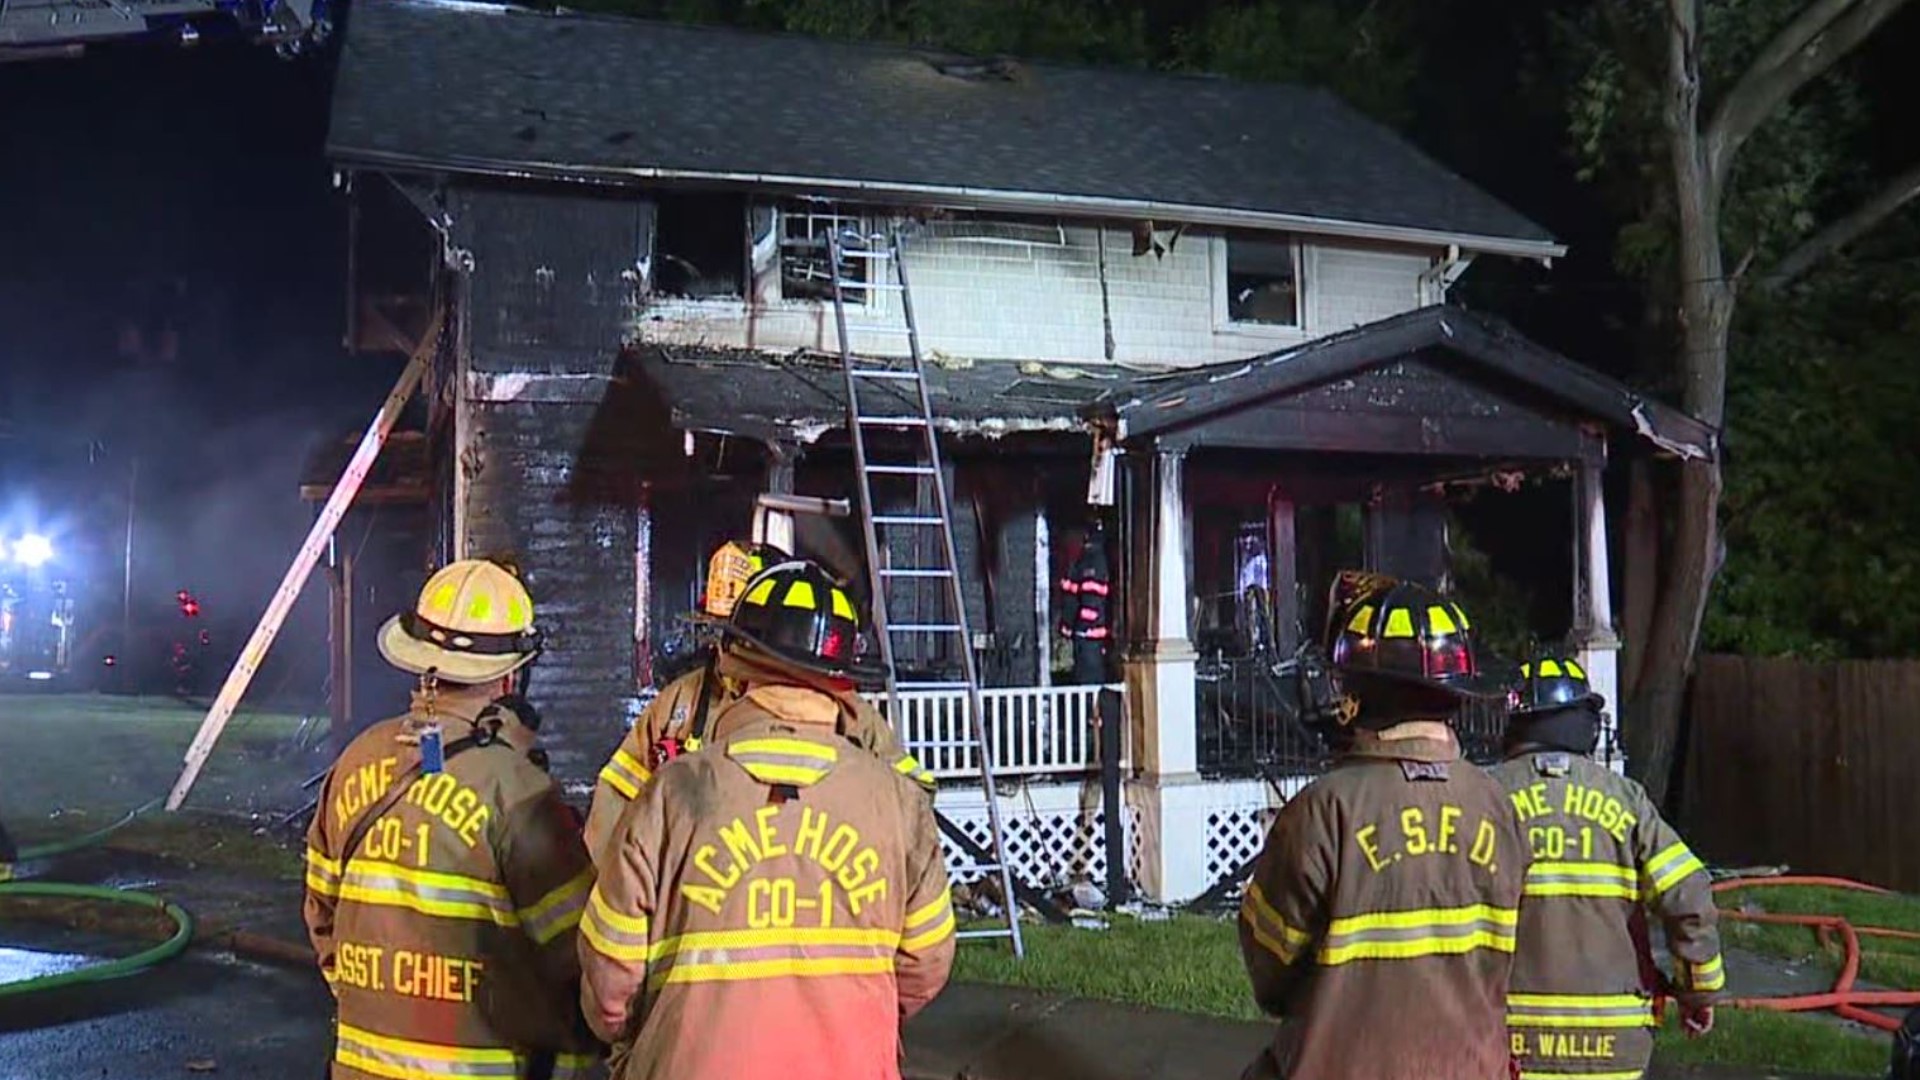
(1816, 765)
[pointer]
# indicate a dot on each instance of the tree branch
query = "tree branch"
(1844, 230)
(1822, 33)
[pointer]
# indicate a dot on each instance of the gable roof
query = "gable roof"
(484, 88)
(1158, 404)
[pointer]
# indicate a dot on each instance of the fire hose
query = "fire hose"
(1843, 1000)
(173, 946)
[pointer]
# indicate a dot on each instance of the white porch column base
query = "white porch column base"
(1601, 657)
(1172, 828)
(1161, 700)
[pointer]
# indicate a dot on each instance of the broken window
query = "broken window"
(804, 258)
(1263, 282)
(700, 245)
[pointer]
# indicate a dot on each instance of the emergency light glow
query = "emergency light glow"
(33, 550)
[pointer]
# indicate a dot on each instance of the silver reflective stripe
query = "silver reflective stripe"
(1418, 933)
(405, 1059)
(444, 898)
(773, 952)
(1557, 1010)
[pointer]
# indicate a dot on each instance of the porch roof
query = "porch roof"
(1157, 405)
(802, 396)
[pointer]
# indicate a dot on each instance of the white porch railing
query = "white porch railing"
(1035, 730)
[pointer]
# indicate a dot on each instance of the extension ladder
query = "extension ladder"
(884, 396)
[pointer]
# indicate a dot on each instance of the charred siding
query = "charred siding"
(554, 272)
(554, 493)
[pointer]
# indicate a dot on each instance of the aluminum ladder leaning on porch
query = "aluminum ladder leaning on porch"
(875, 401)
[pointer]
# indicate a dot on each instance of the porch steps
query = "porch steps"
(946, 633)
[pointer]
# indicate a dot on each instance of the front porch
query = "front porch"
(1240, 489)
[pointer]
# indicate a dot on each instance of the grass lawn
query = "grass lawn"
(71, 763)
(1192, 964)
(1888, 961)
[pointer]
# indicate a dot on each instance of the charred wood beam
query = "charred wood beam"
(1278, 428)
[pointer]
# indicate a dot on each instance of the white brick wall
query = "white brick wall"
(1000, 301)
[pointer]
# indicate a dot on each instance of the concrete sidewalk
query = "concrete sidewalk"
(976, 1032)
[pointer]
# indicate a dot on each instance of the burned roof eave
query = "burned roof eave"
(957, 197)
(1481, 338)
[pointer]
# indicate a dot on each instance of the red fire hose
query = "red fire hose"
(1843, 999)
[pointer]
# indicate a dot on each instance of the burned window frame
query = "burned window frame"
(1230, 310)
(818, 217)
(670, 220)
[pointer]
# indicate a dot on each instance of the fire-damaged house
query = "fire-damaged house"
(1211, 314)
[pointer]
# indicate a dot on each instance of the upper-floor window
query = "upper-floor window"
(805, 264)
(1263, 281)
(699, 244)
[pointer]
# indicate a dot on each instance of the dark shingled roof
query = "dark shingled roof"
(1160, 403)
(460, 86)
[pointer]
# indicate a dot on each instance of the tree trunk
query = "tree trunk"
(1659, 697)
(1706, 316)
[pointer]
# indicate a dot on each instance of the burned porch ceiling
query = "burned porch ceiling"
(485, 88)
(798, 398)
(1425, 342)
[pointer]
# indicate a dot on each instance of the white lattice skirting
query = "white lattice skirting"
(1237, 825)
(1056, 833)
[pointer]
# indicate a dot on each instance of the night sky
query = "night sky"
(172, 284)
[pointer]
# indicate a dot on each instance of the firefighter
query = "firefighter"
(1583, 981)
(777, 904)
(1379, 921)
(445, 878)
(1084, 619)
(678, 720)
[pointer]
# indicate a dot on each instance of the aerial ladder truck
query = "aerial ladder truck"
(38, 29)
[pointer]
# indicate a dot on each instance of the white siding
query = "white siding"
(1347, 288)
(995, 301)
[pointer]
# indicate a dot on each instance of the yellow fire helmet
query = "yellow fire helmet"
(473, 624)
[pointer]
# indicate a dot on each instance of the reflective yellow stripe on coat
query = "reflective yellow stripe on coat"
(1579, 1011)
(782, 953)
(408, 1059)
(557, 912)
(428, 892)
(1671, 867)
(1269, 929)
(323, 874)
(1404, 935)
(613, 934)
(1597, 879)
(930, 925)
(625, 774)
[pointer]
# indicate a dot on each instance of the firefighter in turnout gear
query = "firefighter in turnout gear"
(1581, 1003)
(777, 904)
(1083, 619)
(677, 722)
(1379, 921)
(445, 878)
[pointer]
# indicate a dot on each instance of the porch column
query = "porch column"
(1167, 794)
(1597, 645)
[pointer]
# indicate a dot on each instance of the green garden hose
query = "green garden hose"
(64, 847)
(112, 969)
